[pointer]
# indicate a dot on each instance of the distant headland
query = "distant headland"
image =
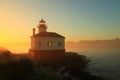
(113, 43)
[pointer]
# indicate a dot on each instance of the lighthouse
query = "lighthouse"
(46, 45)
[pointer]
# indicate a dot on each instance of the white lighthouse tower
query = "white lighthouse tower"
(46, 45)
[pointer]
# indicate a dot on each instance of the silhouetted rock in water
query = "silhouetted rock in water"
(70, 67)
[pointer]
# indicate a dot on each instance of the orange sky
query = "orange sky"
(76, 20)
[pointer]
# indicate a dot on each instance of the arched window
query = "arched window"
(50, 44)
(59, 44)
(39, 44)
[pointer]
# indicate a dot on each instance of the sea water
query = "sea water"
(104, 62)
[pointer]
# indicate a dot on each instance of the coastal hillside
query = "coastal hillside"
(21, 67)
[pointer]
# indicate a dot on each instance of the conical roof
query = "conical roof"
(42, 21)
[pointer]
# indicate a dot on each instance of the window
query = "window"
(59, 44)
(39, 44)
(50, 44)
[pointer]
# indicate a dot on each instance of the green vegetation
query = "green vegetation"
(20, 67)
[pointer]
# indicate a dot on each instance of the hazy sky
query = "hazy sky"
(74, 19)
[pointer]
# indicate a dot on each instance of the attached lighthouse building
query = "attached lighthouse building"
(46, 45)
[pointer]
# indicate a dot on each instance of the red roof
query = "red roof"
(48, 34)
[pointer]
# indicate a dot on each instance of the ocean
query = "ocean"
(104, 62)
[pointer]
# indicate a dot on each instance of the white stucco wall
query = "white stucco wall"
(35, 43)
